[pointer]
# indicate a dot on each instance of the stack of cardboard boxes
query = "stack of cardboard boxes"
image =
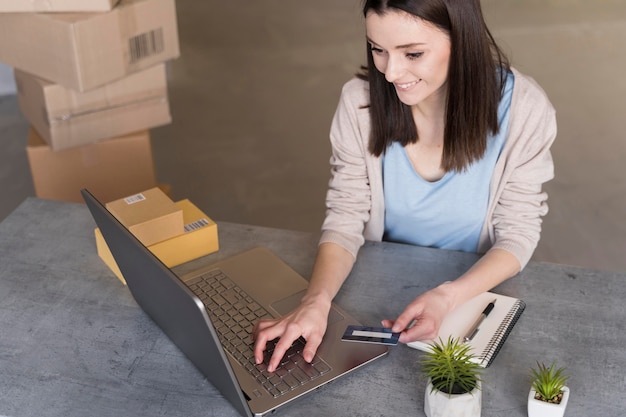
(91, 81)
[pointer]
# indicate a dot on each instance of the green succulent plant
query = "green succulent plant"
(450, 367)
(548, 382)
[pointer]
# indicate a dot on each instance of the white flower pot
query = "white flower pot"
(538, 408)
(440, 404)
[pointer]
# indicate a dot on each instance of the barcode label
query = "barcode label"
(134, 199)
(198, 224)
(146, 44)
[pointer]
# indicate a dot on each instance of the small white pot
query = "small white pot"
(538, 408)
(440, 404)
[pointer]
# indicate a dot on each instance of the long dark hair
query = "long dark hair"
(476, 77)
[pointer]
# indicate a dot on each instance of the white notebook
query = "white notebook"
(491, 333)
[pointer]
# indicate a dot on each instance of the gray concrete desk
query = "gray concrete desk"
(74, 343)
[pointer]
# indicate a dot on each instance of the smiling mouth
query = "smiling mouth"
(406, 86)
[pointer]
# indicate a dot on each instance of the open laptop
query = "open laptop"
(195, 312)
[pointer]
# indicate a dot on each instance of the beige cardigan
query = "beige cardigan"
(355, 201)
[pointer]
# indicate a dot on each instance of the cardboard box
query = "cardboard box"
(83, 51)
(66, 118)
(150, 215)
(110, 169)
(16, 6)
(200, 239)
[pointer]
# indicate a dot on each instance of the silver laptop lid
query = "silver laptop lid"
(169, 303)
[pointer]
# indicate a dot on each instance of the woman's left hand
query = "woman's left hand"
(426, 313)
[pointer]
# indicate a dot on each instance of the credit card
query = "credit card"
(367, 334)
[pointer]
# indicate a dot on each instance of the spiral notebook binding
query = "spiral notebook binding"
(498, 339)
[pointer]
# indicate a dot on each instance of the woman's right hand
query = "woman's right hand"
(308, 320)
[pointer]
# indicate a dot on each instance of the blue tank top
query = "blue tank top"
(448, 213)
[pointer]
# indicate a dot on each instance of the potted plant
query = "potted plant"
(548, 394)
(454, 384)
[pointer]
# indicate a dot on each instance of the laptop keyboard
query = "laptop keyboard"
(234, 313)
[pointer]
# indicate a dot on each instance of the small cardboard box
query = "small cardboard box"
(16, 6)
(200, 239)
(66, 118)
(150, 215)
(83, 51)
(110, 169)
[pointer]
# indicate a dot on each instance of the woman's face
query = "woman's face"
(412, 54)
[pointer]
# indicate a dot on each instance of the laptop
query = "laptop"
(208, 314)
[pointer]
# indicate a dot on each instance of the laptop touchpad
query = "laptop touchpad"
(287, 304)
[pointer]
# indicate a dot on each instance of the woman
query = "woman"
(440, 143)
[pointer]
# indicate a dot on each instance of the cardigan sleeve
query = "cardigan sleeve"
(348, 199)
(522, 203)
